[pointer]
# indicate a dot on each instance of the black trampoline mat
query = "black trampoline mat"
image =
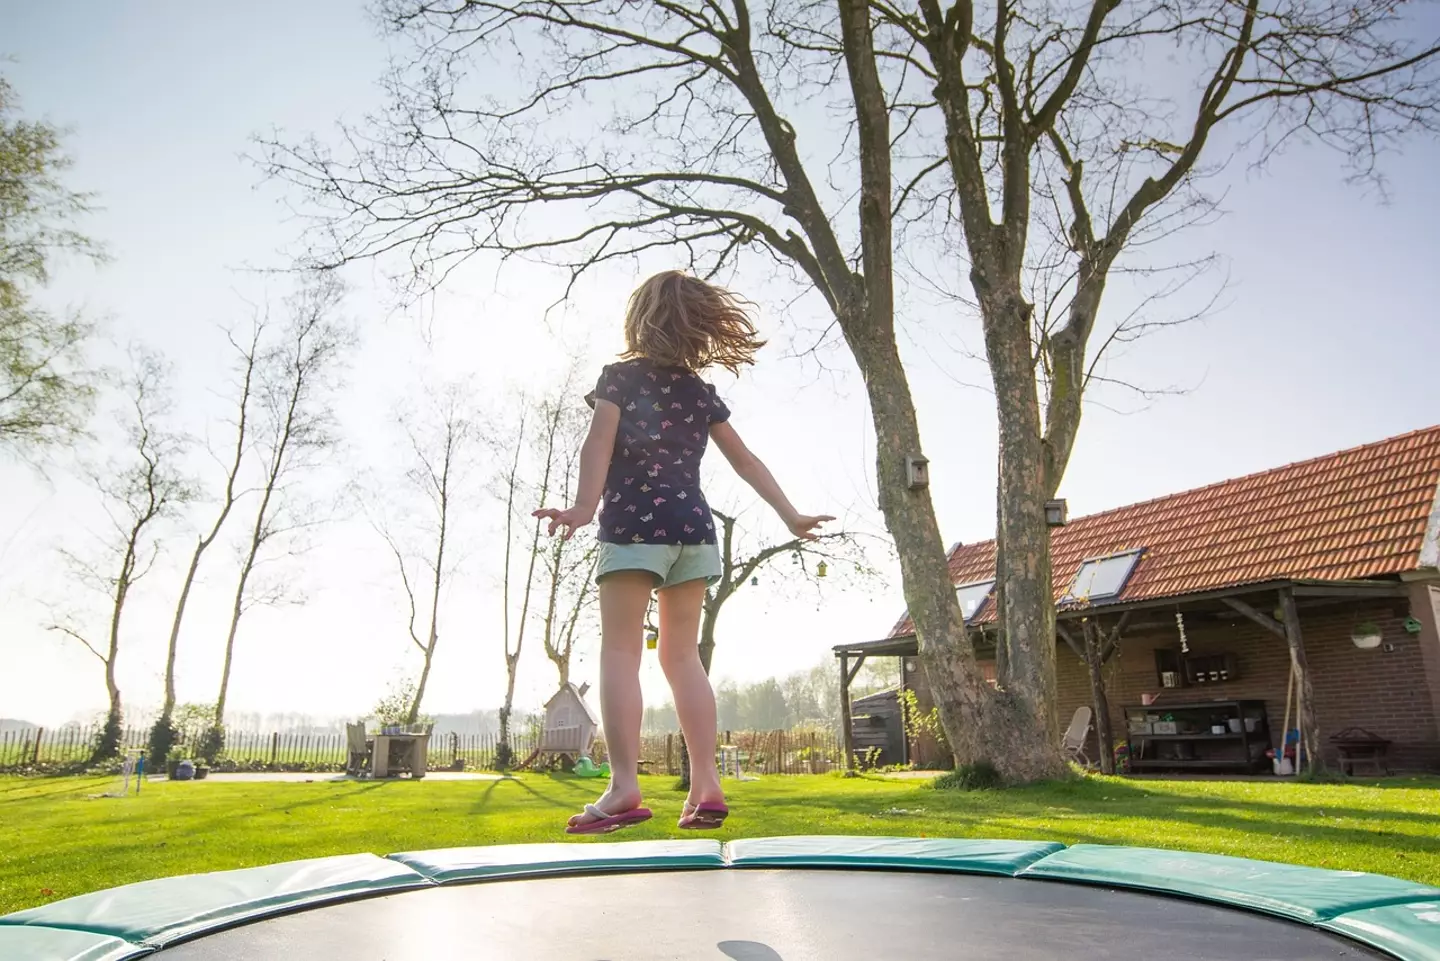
(764, 915)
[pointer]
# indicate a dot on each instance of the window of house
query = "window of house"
(1103, 578)
(972, 597)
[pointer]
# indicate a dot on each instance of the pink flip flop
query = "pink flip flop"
(705, 817)
(605, 823)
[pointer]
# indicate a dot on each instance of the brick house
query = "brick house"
(1350, 542)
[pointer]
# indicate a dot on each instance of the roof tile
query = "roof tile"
(1354, 514)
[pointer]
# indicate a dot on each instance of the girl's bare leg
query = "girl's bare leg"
(680, 608)
(624, 597)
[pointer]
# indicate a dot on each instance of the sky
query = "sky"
(1325, 337)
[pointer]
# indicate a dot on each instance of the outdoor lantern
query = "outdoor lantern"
(1057, 512)
(652, 638)
(754, 582)
(821, 569)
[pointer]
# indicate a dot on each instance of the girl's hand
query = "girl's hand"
(572, 519)
(804, 526)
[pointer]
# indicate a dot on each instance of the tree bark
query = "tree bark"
(1027, 613)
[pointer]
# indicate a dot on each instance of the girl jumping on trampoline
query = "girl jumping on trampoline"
(640, 465)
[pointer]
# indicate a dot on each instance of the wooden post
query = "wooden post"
(274, 746)
(847, 735)
(1310, 730)
(39, 734)
(1104, 738)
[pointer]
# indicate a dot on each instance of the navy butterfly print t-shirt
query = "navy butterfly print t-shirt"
(652, 491)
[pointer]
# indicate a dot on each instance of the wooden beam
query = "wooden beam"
(847, 733)
(850, 678)
(1310, 729)
(1264, 620)
(1069, 639)
(1380, 590)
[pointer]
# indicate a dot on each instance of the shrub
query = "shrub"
(161, 742)
(980, 776)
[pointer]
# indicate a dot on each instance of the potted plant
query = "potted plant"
(1366, 636)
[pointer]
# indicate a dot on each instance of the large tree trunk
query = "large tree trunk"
(946, 653)
(1027, 613)
(865, 309)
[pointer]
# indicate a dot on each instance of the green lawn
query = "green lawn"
(57, 841)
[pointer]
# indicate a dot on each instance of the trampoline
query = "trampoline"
(766, 899)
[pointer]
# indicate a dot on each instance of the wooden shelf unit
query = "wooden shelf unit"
(1193, 743)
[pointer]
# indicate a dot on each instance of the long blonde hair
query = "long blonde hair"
(677, 320)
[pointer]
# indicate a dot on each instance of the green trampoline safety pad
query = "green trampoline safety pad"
(1410, 931)
(533, 860)
(57, 944)
(914, 854)
(154, 913)
(1310, 895)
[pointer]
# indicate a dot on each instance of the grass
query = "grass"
(57, 841)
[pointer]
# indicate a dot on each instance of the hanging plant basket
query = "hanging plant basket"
(1366, 636)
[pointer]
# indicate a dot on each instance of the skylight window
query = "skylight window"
(1102, 578)
(972, 597)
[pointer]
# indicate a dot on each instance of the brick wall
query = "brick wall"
(1384, 692)
(1387, 693)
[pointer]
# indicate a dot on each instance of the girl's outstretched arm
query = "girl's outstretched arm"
(754, 472)
(594, 465)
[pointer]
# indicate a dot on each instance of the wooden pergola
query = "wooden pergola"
(1284, 597)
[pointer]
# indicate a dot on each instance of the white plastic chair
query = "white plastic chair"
(1077, 736)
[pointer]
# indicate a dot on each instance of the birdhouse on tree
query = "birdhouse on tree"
(570, 725)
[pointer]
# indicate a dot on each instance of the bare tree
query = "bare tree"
(570, 564)
(529, 478)
(961, 117)
(843, 551)
(296, 430)
(163, 732)
(138, 493)
(439, 451)
(1094, 648)
(739, 569)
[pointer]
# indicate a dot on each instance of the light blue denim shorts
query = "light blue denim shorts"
(670, 563)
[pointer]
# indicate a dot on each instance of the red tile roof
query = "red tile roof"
(1359, 513)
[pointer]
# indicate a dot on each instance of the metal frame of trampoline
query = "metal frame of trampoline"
(1398, 918)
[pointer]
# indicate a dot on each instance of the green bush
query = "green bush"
(980, 776)
(161, 742)
(107, 739)
(212, 743)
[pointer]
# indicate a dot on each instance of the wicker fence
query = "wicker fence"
(807, 751)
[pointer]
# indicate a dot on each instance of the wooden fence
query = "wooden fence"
(244, 750)
(809, 751)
